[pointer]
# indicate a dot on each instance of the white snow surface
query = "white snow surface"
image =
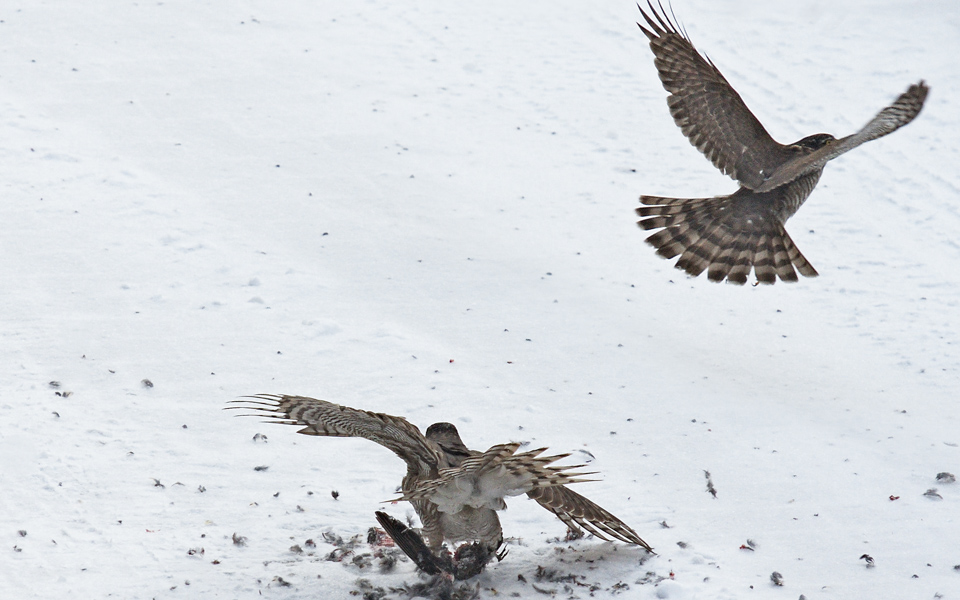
(426, 208)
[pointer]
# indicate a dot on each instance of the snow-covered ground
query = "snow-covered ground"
(426, 208)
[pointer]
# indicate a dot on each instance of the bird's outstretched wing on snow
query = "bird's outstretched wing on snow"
(577, 511)
(319, 417)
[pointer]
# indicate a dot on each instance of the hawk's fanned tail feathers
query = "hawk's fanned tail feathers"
(726, 236)
(485, 479)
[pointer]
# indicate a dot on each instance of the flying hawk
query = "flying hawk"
(727, 235)
(454, 490)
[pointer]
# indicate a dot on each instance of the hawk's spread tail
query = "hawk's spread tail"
(725, 236)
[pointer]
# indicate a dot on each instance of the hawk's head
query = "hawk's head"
(447, 437)
(815, 141)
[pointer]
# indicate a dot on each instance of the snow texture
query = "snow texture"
(426, 208)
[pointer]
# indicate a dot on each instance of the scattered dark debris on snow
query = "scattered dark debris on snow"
(663, 525)
(945, 477)
(619, 587)
(650, 577)
(156, 483)
(544, 591)
(388, 561)
(710, 488)
(368, 591)
(869, 559)
(587, 453)
(196, 552)
(259, 437)
(749, 545)
(201, 489)
(682, 544)
(362, 560)
(932, 494)
(436, 587)
(239, 540)
(22, 533)
(54, 384)
(553, 575)
(261, 468)
(335, 494)
(146, 383)
(364, 552)
(776, 578)
(350, 552)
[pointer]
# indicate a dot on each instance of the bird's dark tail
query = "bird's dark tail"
(412, 545)
(469, 560)
(725, 236)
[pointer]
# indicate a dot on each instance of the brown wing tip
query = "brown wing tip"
(654, 31)
(659, 23)
(920, 89)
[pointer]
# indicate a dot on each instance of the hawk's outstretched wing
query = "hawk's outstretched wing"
(707, 109)
(576, 511)
(888, 120)
(319, 417)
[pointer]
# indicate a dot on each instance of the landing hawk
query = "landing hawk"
(455, 491)
(729, 235)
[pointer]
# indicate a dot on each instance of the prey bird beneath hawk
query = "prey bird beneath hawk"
(454, 490)
(728, 235)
